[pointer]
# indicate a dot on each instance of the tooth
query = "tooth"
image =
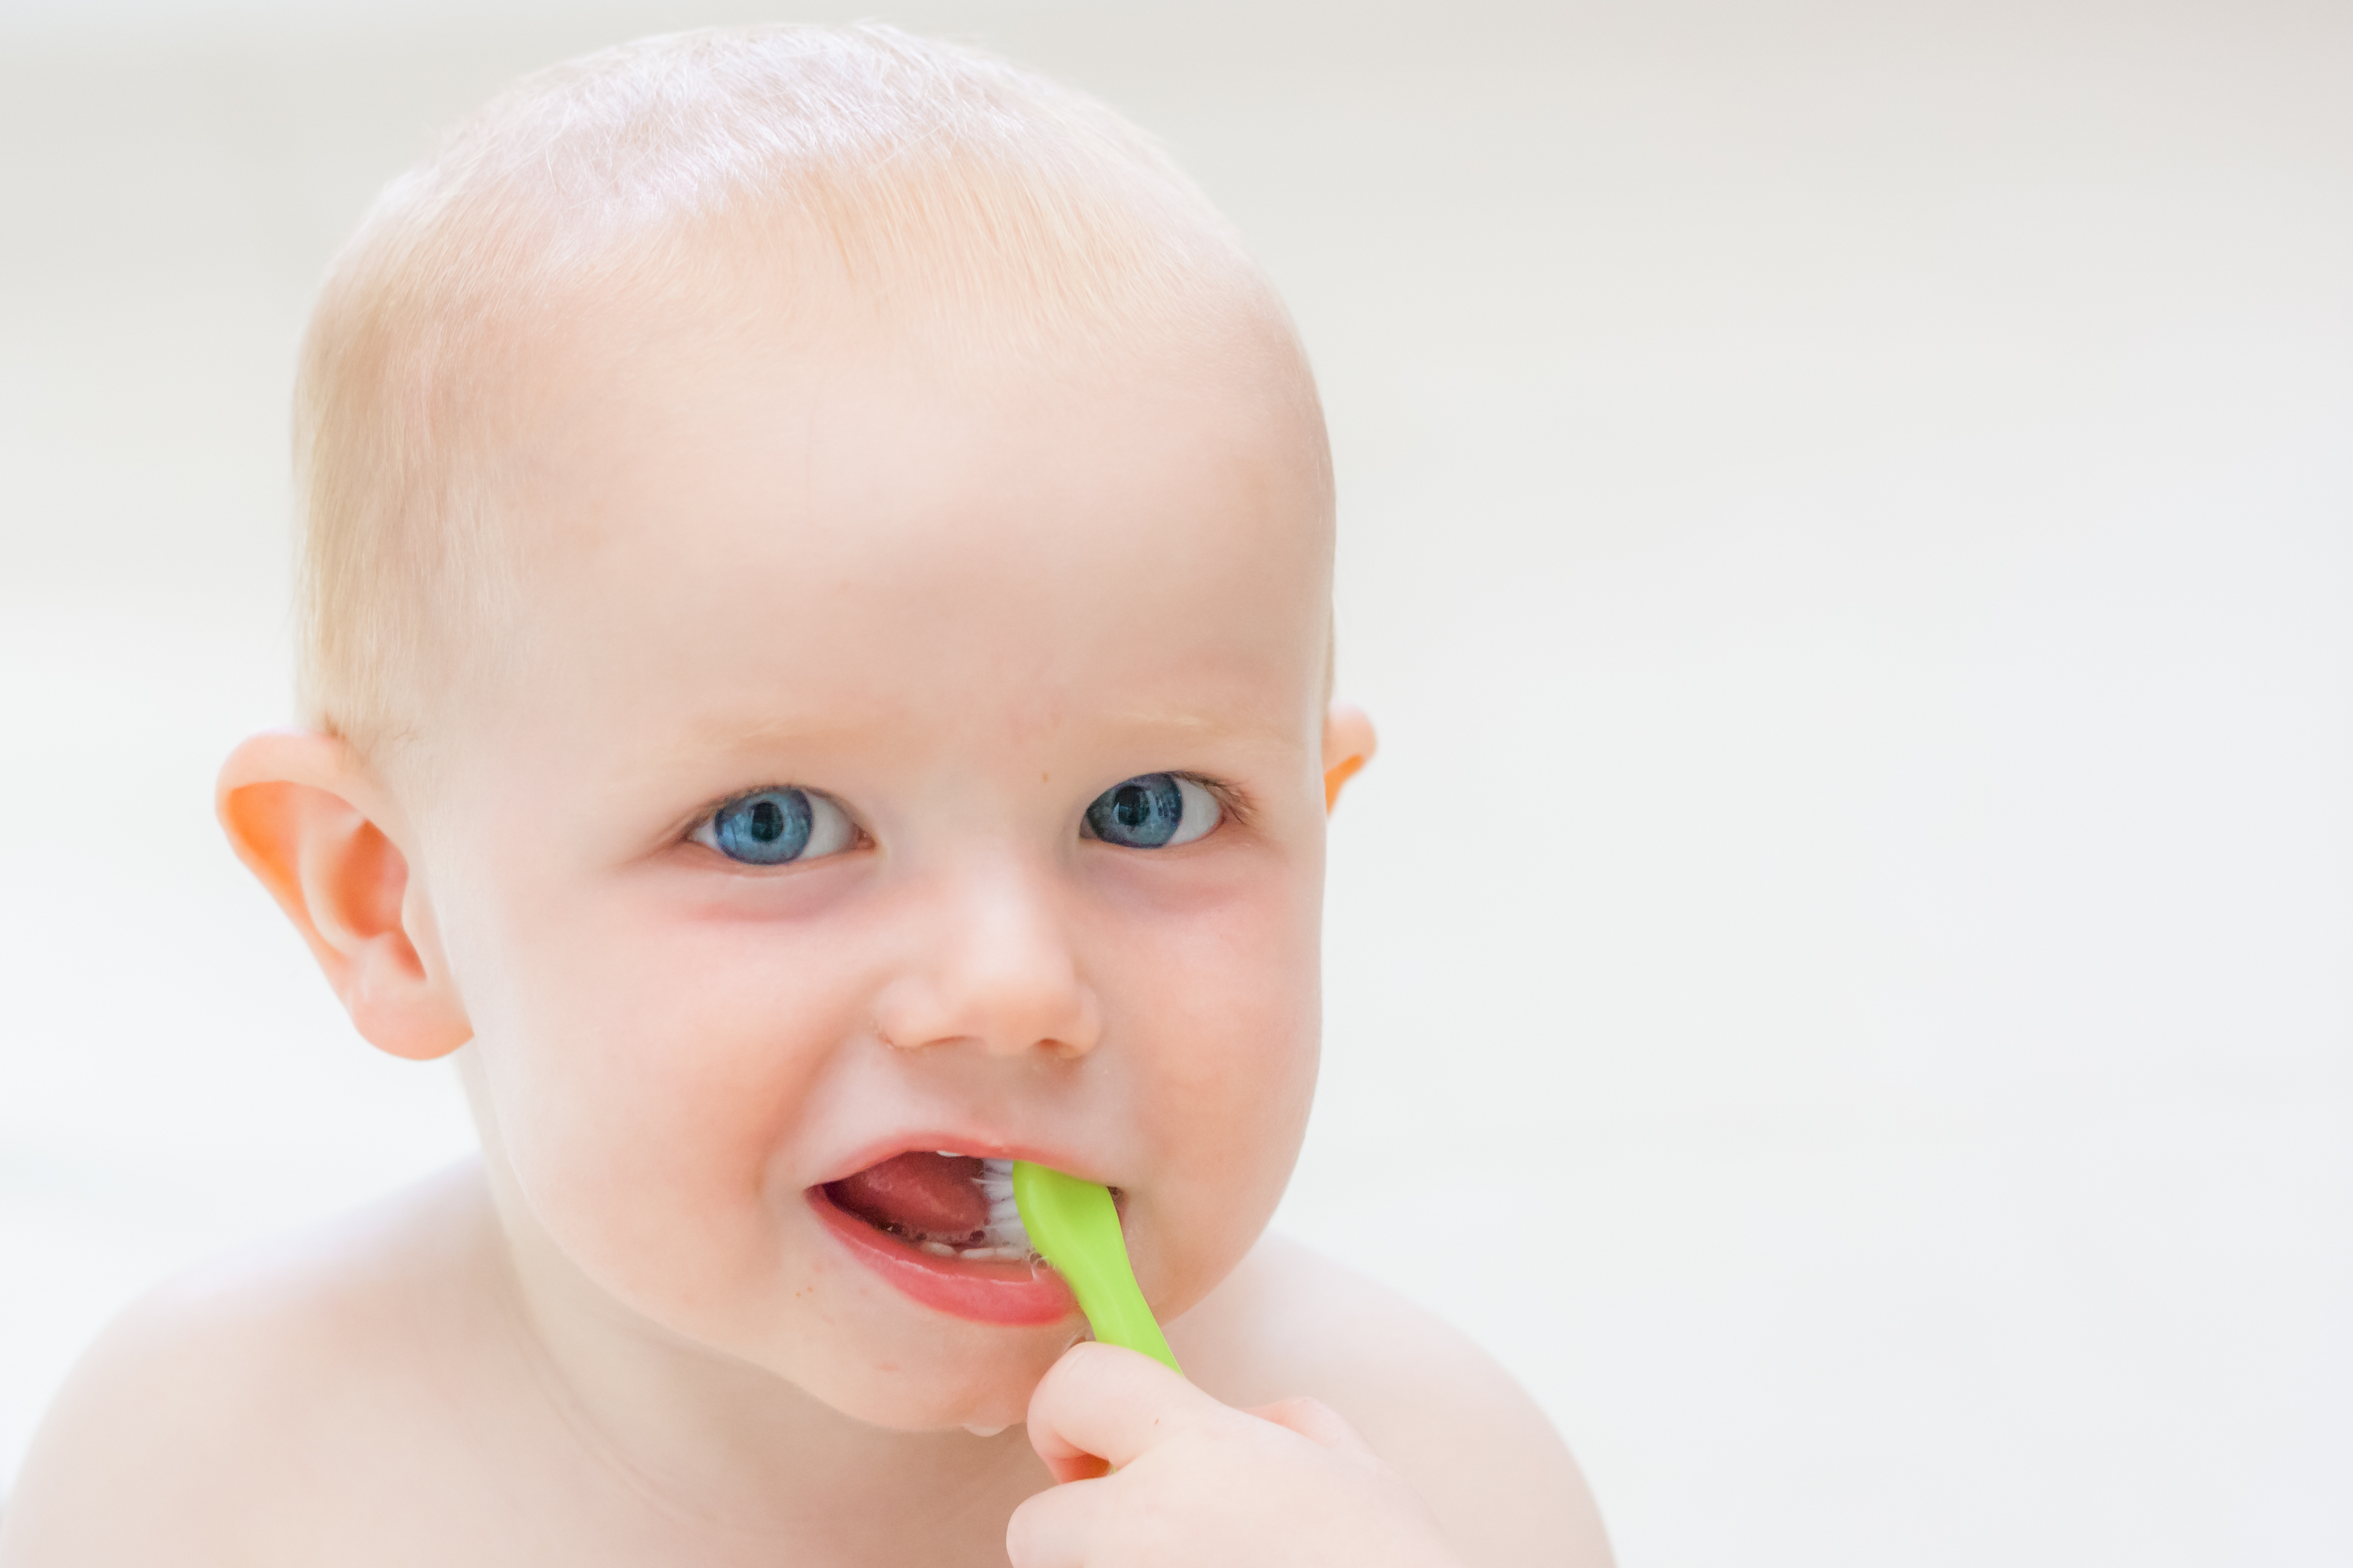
(938, 1249)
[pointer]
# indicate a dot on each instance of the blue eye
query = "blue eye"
(775, 827)
(1152, 811)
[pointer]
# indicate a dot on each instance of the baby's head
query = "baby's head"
(818, 576)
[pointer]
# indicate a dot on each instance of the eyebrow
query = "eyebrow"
(755, 732)
(764, 732)
(1196, 724)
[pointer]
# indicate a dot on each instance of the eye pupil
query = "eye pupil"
(764, 829)
(1141, 813)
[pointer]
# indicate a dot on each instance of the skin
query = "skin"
(773, 555)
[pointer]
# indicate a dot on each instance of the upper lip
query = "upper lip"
(979, 1145)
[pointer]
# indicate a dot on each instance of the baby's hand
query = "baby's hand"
(1198, 1483)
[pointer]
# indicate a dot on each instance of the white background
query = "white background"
(1840, 976)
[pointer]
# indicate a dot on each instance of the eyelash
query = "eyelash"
(1230, 800)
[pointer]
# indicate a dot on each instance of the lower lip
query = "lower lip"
(997, 1291)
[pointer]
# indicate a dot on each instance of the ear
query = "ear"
(1349, 745)
(309, 822)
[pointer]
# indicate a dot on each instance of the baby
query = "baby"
(817, 658)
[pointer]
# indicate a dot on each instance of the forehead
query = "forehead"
(749, 520)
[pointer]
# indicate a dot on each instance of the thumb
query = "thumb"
(1104, 1404)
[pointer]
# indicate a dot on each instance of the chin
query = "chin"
(907, 1388)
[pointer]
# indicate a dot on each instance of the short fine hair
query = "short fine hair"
(931, 178)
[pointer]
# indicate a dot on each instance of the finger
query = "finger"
(1076, 1468)
(1055, 1528)
(1318, 1423)
(1111, 1403)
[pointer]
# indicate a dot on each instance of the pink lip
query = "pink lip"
(997, 1291)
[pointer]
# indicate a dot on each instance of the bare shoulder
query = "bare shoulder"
(1434, 1407)
(216, 1419)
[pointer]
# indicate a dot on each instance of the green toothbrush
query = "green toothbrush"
(1074, 1226)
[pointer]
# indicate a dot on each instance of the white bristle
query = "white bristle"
(1003, 1231)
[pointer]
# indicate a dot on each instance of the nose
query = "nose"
(996, 970)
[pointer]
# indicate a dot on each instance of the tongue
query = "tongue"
(930, 1196)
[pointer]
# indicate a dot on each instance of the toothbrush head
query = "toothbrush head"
(1074, 1225)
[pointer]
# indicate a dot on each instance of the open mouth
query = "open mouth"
(950, 1205)
(943, 1228)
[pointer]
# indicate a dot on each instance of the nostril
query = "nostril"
(1005, 998)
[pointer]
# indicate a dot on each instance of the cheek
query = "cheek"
(1226, 1036)
(645, 1073)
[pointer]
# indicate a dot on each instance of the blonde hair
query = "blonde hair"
(937, 183)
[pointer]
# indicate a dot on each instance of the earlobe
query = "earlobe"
(307, 823)
(1349, 745)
